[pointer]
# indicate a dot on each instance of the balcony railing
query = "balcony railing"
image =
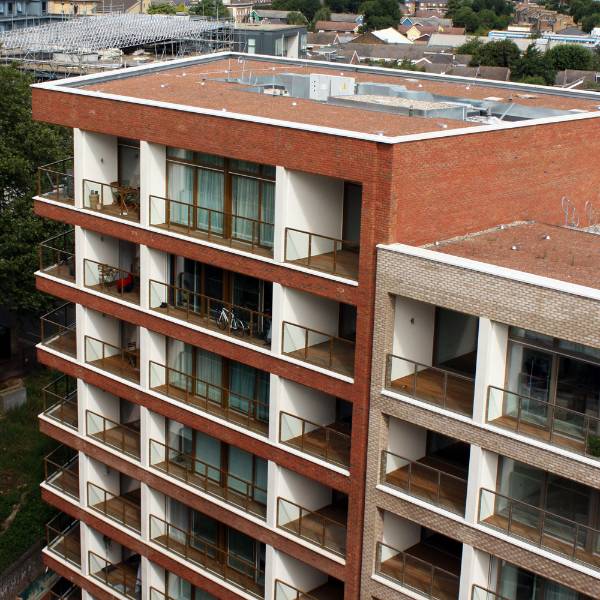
(57, 255)
(285, 591)
(321, 252)
(414, 573)
(217, 400)
(323, 441)
(73, 593)
(118, 508)
(61, 469)
(60, 401)
(318, 348)
(218, 315)
(124, 438)
(215, 481)
(216, 226)
(62, 538)
(479, 593)
(124, 362)
(557, 425)
(433, 385)
(111, 280)
(540, 527)
(55, 181)
(120, 577)
(428, 483)
(112, 199)
(311, 525)
(227, 565)
(58, 329)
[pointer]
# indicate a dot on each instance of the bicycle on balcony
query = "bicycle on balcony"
(228, 319)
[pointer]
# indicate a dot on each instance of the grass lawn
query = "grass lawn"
(22, 448)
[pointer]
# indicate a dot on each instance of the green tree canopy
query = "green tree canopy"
(480, 15)
(380, 14)
(534, 65)
(341, 6)
(296, 18)
(323, 14)
(24, 145)
(210, 8)
(590, 21)
(570, 56)
(503, 53)
(165, 8)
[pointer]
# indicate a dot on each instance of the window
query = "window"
(129, 162)
(251, 46)
(279, 46)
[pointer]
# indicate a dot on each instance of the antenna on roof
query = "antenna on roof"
(571, 217)
(592, 214)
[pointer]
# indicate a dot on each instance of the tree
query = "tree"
(534, 64)
(24, 145)
(162, 9)
(343, 6)
(466, 17)
(380, 14)
(210, 8)
(503, 53)
(296, 18)
(323, 14)
(570, 56)
(470, 47)
(590, 21)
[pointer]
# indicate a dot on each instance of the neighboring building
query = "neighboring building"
(241, 10)
(230, 317)
(541, 19)
(275, 40)
(576, 79)
(337, 26)
(272, 16)
(431, 5)
(327, 38)
(25, 13)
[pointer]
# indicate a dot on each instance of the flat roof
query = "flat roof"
(211, 84)
(563, 253)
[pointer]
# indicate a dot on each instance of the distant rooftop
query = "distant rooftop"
(563, 253)
(304, 93)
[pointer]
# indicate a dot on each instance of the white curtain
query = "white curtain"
(180, 189)
(246, 197)
(210, 198)
(209, 369)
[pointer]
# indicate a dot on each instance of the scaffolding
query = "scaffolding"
(97, 43)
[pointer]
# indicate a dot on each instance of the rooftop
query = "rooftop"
(563, 253)
(275, 89)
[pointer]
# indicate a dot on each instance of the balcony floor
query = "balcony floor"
(64, 342)
(328, 591)
(120, 366)
(342, 359)
(211, 564)
(424, 484)
(210, 324)
(217, 239)
(65, 412)
(62, 271)
(181, 471)
(115, 211)
(346, 264)
(417, 575)
(111, 290)
(124, 509)
(67, 480)
(122, 437)
(121, 577)
(69, 546)
(430, 388)
(532, 534)
(213, 408)
(315, 442)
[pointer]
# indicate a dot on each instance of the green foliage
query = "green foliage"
(570, 56)
(210, 8)
(503, 53)
(323, 14)
(470, 47)
(22, 448)
(343, 6)
(534, 67)
(24, 145)
(593, 445)
(590, 21)
(296, 18)
(480, 15)
(307, 7)
(162, 9)
(379, 14)
(533, 80)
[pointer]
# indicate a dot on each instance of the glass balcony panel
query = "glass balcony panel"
(124, 509)
(111, 280)
(121, 577)
(58, 330)
(60, 401)
(112, 199)
(125, 438)
(61, 468)
(56, 181)
(124, 362)
(63, 539)
(57, 256)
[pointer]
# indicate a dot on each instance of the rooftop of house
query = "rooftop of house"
(562, 253)
(278, 91)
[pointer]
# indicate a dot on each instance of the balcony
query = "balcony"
(72, 593)
(124, 362)
(479, 593)
(424, 481)
(58, 330)
(113, 199)
(121, 577)
(325, 527)
(61, 468)
(322, 253)
(60, 401)
(418, 569)
(124, 509)
(225, 564)
(234, 231)
(328, 591)
(124, 438)
(112, 281)
(328, 442)
(442, 387)
(63, 539)
(217, 400)
(57, 256)
(318, 348)
(216, 482)
(55, 181)
(540, 527)
(557, 425)
(212, 313)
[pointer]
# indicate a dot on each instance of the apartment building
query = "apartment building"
(216, 304)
